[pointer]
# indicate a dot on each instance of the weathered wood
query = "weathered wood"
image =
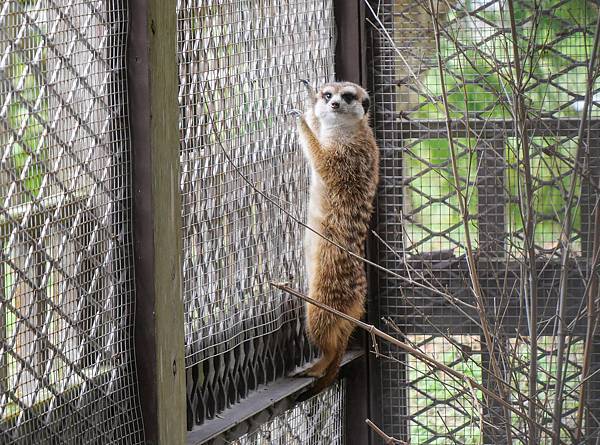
(350, 50)
(350, 56)
(483, 129)
(159, 339)
(492, 196)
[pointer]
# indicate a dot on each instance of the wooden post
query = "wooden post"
(490, 185)
(350, 51)
(153, 113)
(350, 66)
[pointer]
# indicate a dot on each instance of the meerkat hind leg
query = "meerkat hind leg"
(318, 369)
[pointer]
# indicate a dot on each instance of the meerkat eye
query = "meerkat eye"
(348, 97)
(327, 96)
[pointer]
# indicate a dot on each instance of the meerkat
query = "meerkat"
(343, 157)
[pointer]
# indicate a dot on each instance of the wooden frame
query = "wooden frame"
(153, 111)
(350, 65)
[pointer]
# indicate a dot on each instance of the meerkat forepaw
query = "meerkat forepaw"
(295, 113)
(309, 89)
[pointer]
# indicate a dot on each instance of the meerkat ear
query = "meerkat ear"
(365, 104)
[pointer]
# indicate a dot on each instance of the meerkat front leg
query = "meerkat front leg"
(308, 141)
(311, 96)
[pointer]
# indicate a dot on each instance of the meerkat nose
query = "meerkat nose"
(335, 105)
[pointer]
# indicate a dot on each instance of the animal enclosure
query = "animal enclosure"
(489, 195)
(152, 187)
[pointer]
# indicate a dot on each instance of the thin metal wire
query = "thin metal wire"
(66, 291)
(239, 68)
(317, 421)
(249, 60)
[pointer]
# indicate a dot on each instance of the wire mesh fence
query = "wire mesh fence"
(316, 421)
(239, 70)
(491, 224)
(66, 314)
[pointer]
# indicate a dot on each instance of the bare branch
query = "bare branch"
(387, 440)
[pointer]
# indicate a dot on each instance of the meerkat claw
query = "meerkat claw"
(308, 86)
(294, 113)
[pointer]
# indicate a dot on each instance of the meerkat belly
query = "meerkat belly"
(315, 217)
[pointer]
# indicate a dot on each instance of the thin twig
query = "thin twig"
(527, 215)
(464, 214)
(409, 349)
(387, 440)
(592, 323)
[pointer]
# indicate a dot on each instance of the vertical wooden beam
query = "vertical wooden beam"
(350, 50)
(589, 219)
(153, 112)
(490, 183)
(350, 53)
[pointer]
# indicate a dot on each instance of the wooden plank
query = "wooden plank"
(444, 316)
(492, 197)
(484, 129)
(159, 339)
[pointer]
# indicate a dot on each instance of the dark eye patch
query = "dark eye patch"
(349, 97)
(327, 96)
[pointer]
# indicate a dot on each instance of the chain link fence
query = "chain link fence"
(66, 297)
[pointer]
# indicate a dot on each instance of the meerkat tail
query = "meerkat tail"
(333, 346)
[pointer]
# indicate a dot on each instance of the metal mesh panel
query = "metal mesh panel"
(66, 350)
(319, 420)
(420, 220)
(239, 70)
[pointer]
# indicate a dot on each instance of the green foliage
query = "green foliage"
(437, 184)
(26, 113)
(477, 72)
(449, 393)
(551, 161)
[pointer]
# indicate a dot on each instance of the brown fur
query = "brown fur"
(343, 157)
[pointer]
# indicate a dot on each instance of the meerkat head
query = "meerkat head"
(341, 104)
